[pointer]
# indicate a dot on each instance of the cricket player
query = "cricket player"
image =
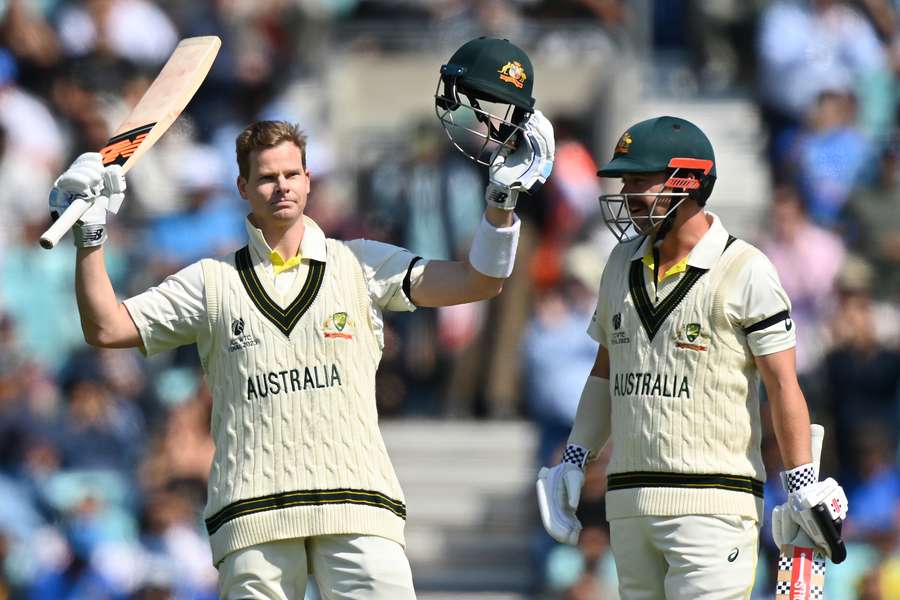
(290, 331)
(688, 318)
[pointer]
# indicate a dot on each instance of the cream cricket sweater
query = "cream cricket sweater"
(685, 421)
(298, 449)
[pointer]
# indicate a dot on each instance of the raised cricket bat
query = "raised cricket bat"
(801, 573)
(157, 109)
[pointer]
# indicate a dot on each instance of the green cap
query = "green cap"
(495, 70)
(659, 144)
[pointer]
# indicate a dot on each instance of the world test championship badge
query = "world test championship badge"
(240, 339)
(513, 72)
(618, 336)
(335, 326)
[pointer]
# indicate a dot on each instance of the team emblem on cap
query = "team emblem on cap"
(513, 72)
(624, 144)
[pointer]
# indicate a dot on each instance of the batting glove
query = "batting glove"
(814, 508)
(524, 169)
(103, 187)
(558, 492)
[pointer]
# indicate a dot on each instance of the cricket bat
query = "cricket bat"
(154, 113)
(801, 572)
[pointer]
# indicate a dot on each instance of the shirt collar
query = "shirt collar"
(312, 246)
(705, 253)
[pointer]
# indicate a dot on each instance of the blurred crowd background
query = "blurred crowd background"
(104, 454)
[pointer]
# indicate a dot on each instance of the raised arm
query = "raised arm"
(446, 282)
(493, 250)
(104, 320)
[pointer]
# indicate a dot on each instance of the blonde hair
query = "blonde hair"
(266, 134)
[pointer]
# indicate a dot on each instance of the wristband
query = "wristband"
(501, 197)
(88, 236)
(798, 477)
(493, 251)
(575, 455)
(591, 428)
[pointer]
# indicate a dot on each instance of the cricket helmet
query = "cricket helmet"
(664, 144)
(483, 96)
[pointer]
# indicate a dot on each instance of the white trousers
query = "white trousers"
(696, 557)
(345, 567)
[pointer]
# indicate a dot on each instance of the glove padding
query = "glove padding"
(558, 492)
(796, 518)
(87, 179)
(524, 169)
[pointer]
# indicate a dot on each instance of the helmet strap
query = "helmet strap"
(666, 226)
(450, 99)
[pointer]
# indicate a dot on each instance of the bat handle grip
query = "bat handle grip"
(816, 437)
(64, 223)
(832, 532)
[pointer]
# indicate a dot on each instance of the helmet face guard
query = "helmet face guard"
(477, 124)
(625, 226)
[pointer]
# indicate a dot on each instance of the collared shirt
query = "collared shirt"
(170, 314)
(758, 295)
(312, 247)
(650, 261)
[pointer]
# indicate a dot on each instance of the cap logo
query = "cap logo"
(513, 72)
(624, 144)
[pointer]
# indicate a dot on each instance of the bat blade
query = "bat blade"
(801, 571)
(167, 96)
(801, 575)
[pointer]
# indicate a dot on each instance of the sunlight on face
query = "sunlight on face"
(643, 189)
(276, 186)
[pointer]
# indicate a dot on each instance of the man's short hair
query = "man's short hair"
(267, 134)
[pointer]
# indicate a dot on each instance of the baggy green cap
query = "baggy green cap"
(495, 70)
(659, 144)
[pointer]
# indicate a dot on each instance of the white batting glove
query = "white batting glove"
(524, 169)
(558, 492)
(88, 179)
(797, 517)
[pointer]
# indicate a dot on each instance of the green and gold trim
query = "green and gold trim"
(283, 318)
(645, 479)
(303, 498)
(653, 317)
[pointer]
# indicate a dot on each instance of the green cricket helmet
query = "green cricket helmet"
(483, 96)
(665, 144)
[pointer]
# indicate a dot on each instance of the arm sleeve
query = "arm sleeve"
(592, 421)
(760, 306)
(172, 313)
(386, 267)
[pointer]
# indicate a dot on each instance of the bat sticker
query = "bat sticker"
(801, 576)
(123, 145)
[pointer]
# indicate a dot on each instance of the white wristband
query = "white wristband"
(493, 251)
